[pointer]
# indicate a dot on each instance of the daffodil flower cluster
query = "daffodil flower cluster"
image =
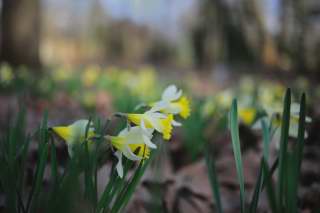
(135, 141)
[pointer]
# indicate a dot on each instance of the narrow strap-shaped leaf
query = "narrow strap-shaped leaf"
(103, 202)
(301, 131)
(257, 190)
(266, 140)
(261, 178)
(269, 187)
(237, 150)
(118, 186)
(54, 164)
(122, 201)
(213, 178)
(281, 192)
(296, 158)
(41, 164)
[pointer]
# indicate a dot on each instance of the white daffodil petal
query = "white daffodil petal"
(160, 105)
(257, 125)
(119, 165)
(129, 154)
(148, 142)
(145, 130)
(293, 130)
(173, 109)
(295, 108)
(308, 119)
(155, 122)
(171, 93)
(175, 123)
(123, 132)
(79, 127)
(155, 114)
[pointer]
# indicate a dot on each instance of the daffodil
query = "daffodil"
(224, 98)
(74, 133)
(90, 75)
(173, 102)
(274, 117)
(247, 115)
(153, 120)
(6, 74)
(134, 143)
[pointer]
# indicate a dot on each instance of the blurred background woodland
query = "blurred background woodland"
(203, 35)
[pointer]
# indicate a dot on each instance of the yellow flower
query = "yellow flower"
(62, 74)
(90, 76)
(224, 98)
(208, 108)
(6, 74)
(134, 143)
(247, 115)
(181, 107)
(172, 102)
(74, 133)
(155, 120)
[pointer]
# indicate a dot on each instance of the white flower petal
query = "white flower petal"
(295, 108)
(155, 114)
(146, 131)
(124, 132)
(175, 123)
(160, 105)
(129, 154)
(148, 142)
(119, 165)
(171, 93)
(308, 119)
(155, 123)
(257, 125)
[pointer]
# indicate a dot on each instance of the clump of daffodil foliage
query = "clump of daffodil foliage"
(265, 112)
(90, 144)
(135, 141)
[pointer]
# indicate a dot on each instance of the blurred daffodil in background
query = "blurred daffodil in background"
(273, 117)
(90, 76)
(6, 74)
(62, 74)
(247, 115)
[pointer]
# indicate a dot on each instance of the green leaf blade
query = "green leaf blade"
(237, 151)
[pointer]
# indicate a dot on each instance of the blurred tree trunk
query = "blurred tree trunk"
(20, 32)
(217, 36)
(292, 36)
(253, 26)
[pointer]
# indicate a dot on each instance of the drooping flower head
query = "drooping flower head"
(173, 102)
(74, 133)
(153, 120)
(134, 143)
